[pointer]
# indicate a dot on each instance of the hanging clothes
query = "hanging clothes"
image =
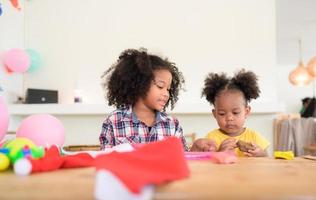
(309, 110)
(293, 134)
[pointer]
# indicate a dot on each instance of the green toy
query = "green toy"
(16, 149)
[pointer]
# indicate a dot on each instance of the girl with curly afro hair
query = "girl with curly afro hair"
(230, 97)
(141, 86)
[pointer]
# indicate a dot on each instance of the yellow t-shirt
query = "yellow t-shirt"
(248, 136)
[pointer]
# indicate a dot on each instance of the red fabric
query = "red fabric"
(53, 161)
(78, 160)
(153, 163)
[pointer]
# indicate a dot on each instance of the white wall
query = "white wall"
(79, 40)
(291, 95)
(295, 20)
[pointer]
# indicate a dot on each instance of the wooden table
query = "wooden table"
(249, 178)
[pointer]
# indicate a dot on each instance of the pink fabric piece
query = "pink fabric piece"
(226, 157)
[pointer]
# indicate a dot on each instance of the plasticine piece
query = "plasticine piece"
(287, 155)
(244, 146)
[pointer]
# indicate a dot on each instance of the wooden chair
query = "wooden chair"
(190, 137)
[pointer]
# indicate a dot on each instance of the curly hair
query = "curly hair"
(130, 78)
(243, 81)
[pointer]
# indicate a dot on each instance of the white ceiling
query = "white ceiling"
(295, 19)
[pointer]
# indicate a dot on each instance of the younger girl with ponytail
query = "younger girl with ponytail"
(230, 97)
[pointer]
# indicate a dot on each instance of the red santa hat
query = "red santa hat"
(152, 163)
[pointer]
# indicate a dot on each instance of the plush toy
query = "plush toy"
(52, 160)
(17, 149)
(22, 147)
(4, 162)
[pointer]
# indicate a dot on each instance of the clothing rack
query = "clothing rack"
(293, 133)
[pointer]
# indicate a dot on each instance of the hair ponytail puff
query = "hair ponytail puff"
(212, 84)
(247, 83)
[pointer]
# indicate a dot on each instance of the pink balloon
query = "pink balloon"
(17, 60)
(43, 130)
(4, 119)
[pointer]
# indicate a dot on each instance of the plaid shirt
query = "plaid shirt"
(122, 126)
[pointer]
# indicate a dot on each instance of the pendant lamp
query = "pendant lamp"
(300, 75)
(311, 67)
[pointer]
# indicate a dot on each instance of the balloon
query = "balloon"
(35, 60)
(0, 10)
(15, 4)
(17, 60)
(42, 129)
(4, 119)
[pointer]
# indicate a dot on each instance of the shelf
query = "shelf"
(102, 109)
(59, 109)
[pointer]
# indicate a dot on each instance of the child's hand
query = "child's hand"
(228, 145)
(257, 152)
(203, 144)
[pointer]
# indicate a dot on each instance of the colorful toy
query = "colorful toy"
(17, 149)
(19, 146)
(4, 162)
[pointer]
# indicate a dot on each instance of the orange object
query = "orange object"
(15, 4)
